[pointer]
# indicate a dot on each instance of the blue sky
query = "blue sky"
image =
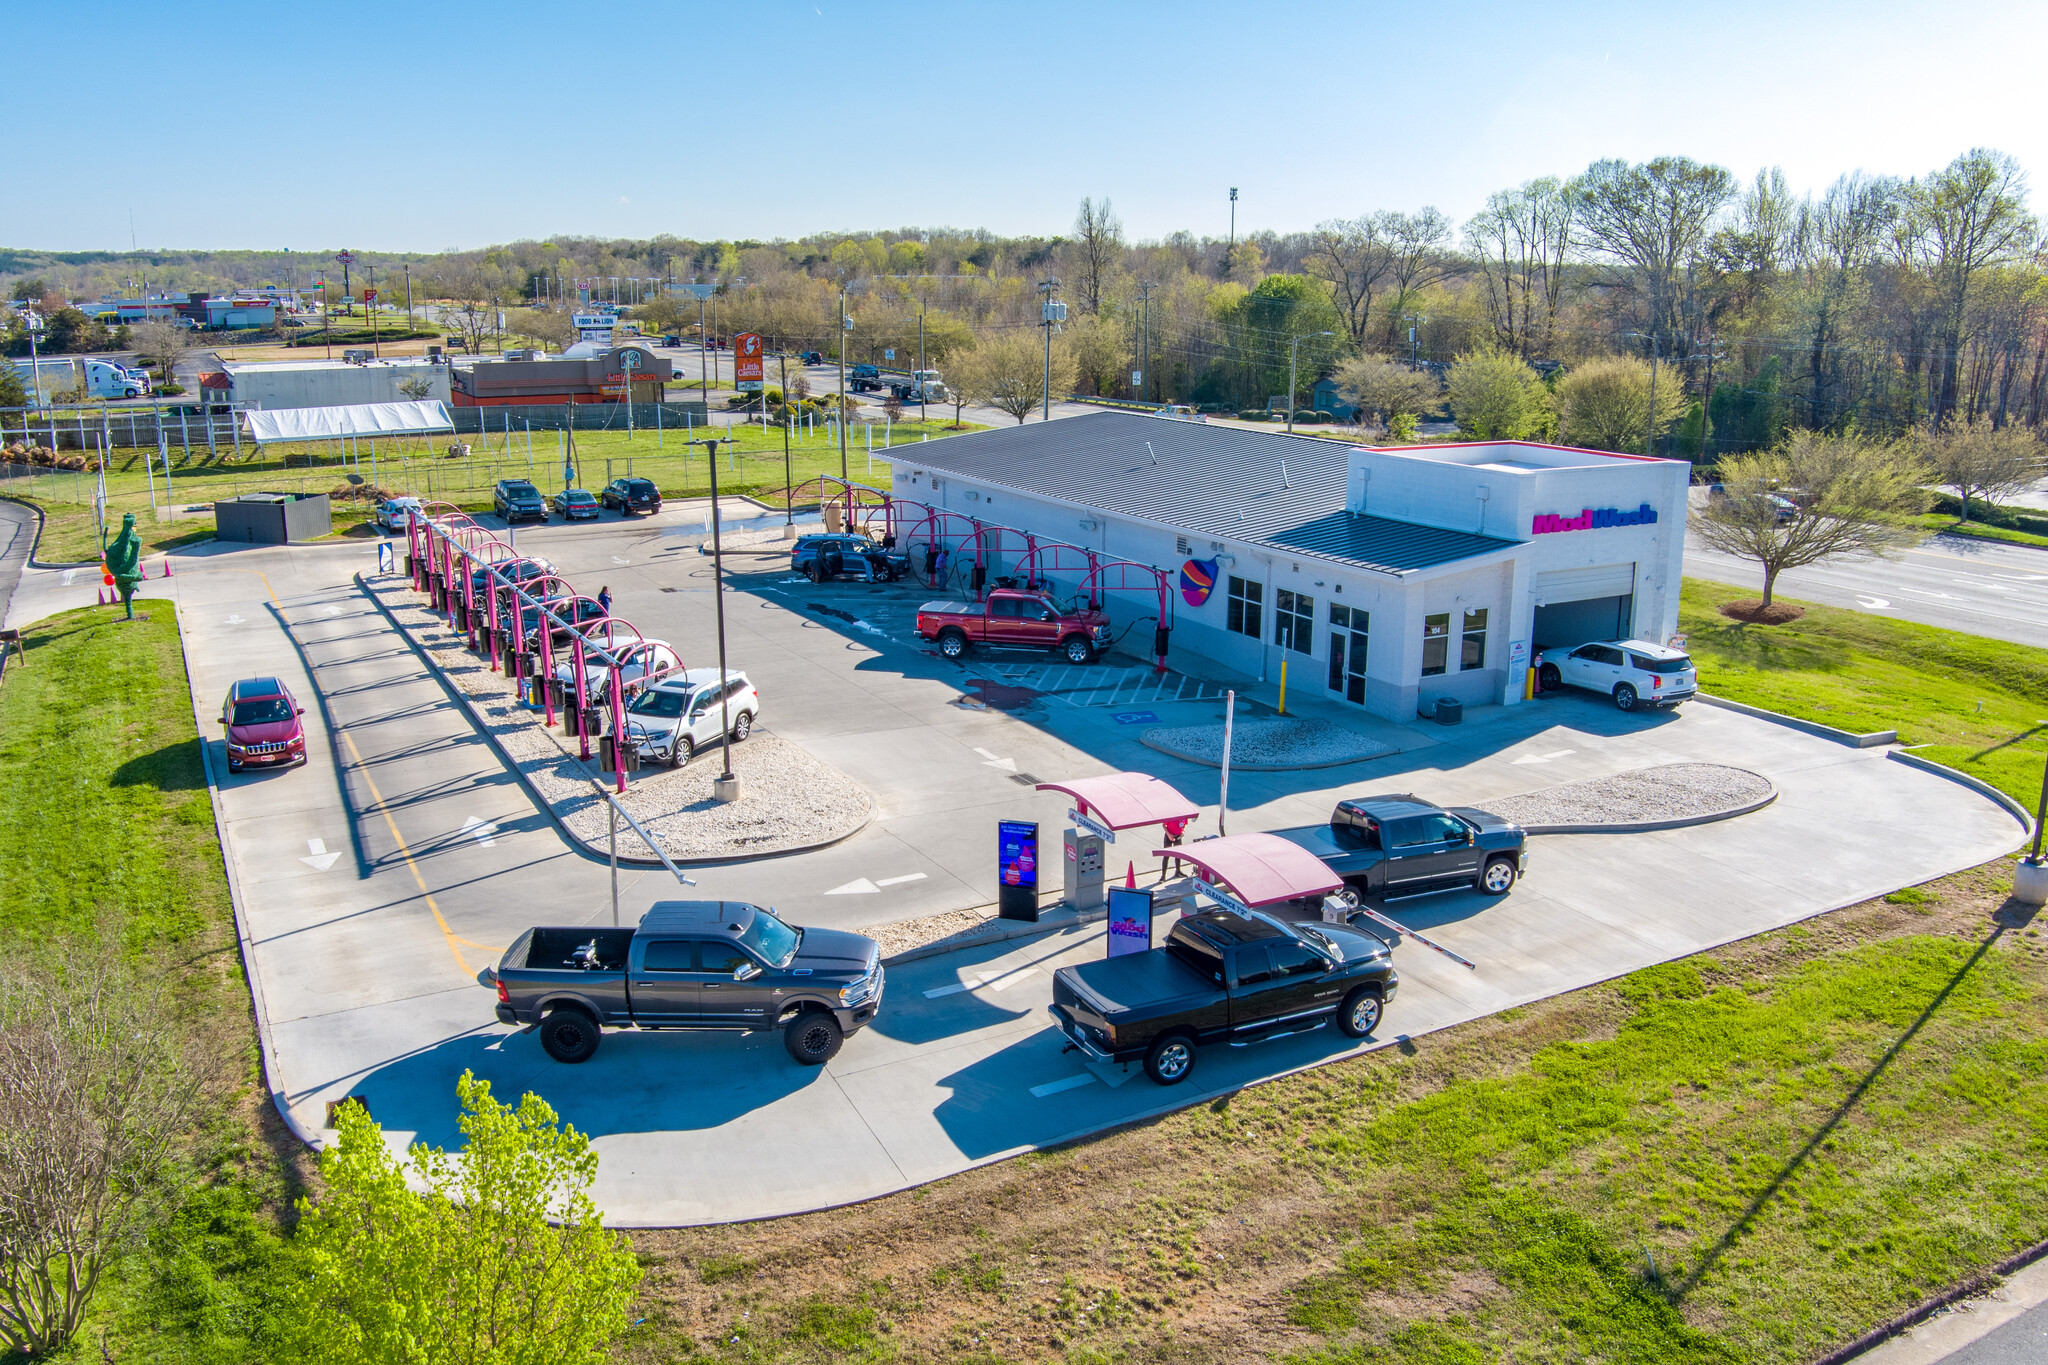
(422, 126)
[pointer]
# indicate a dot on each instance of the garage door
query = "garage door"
(1584, 604)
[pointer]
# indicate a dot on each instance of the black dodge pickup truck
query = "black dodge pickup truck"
(1222, 977)
(1394, 846)
(691, 965)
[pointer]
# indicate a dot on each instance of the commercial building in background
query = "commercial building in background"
(238, 312)
(530, 377)
(272, 384)
(1385, 578)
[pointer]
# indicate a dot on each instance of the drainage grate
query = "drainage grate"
(671, 590)
(1024, 779)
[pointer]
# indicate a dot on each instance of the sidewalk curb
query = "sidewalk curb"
(1967, 1288)
(1875, 739)
(589, 850)
(245, 944)
(41, 521)
(1978, 785)
(1649, 826)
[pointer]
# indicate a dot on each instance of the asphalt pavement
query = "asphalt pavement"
(1979, 586)
(2008, 1326)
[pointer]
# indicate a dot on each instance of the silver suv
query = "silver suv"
(1633, 672)
(683, 713)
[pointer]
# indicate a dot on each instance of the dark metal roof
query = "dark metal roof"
(1226, 482)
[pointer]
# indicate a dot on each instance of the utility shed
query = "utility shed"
(273, 518)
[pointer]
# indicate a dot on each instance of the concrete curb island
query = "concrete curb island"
(1650, 826)
(584, 846)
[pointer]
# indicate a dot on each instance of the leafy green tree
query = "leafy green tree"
(13, 393)
(1387, 388)
(1267, 320)
(1495, 395)
(30, 289)
(498, 1259)
(1605, 405)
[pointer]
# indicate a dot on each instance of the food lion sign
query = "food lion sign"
(1592, 519)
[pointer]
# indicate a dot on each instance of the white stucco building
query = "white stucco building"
(1383, 577)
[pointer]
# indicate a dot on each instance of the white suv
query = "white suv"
(1633, 672)
(682, 713)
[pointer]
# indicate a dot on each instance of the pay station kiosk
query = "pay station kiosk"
(1103, 808)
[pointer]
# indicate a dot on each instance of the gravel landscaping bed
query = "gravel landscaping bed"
(788, 799)
(1266, 742)
(1672, 791)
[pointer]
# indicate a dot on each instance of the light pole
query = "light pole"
(408, 296)
(922, 383)
(629, 360)
(1145, 383)
(727, 786)
(1233, 230)
(347, 259)
(1414, 355)
(1293, 358)
(845, 326)
(35, 362)
(788, 492)
(1051, 314)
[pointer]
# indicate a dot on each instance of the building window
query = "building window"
(1246, 614)
(1294, 622)
(1348, 652)
(1474, 653)
(1436, 644)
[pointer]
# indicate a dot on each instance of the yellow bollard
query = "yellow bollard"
(1283, 687)
(1529, 686)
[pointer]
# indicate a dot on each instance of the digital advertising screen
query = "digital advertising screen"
(1017, 869)
(1130, 920)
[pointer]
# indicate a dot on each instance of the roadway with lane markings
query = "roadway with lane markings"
(1979, 586)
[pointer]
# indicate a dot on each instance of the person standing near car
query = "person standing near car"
(604, 600)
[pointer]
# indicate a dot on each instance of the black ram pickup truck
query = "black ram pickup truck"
(1222, 977)
(721, 965)
(1395, 846)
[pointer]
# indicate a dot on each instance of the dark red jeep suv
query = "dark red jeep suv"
(262, 721)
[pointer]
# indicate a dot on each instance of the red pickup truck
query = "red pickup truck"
(1013, 619)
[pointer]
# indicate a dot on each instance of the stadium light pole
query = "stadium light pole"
(727, 787)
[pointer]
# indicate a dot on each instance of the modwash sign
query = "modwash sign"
(1592, 519)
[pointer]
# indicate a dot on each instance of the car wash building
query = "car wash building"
(1383, 577)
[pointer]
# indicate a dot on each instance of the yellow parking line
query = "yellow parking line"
(405, 852)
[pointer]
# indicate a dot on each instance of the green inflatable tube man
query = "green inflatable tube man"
(124, 558)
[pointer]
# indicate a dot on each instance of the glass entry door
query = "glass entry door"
(1348, 652)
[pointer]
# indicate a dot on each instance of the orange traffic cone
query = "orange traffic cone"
(167, 566)
(1130, 874)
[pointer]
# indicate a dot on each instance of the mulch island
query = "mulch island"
(1752, 611)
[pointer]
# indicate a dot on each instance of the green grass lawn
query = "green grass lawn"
(1976, 704)
(106, 828)
(1942, 522)
(200, 476)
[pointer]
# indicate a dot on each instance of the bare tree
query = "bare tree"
(94, 1089)
(1098, 247)
(1981, 460)
(474, 310)
(1651, 219)
(1417, 259)
(162, 345)
(1522, 241)
(1833, 243)
(1007, 372)
(1815, 497)
(1960, 222)
(1352, 256)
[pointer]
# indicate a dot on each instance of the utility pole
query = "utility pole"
(408, 296)
(1650, 431)
(1147, 387)
(372, 307)
(1233, 229)
(922, 305)
(1294, 356)
(1051, 314)
(788, 479)
(1414, 355)
(347, 259)
(726, 787)
(845, 326)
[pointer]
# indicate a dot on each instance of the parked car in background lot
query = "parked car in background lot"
(1633, 672)
(392, 513)
(518, 500)
(632, 495)
(515, 570)
(577, 504)
(683, 713)
(261, 718)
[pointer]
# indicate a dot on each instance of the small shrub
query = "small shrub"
(170, 390)
(1252, 415)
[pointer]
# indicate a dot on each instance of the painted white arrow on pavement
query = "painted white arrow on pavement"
(321, 859)
(617, 560)
(898, 881)
(234, 620)
(1544, 758)
(1008, 765)
(69, 574)
(480, 830)
(859, 886)
(1872, 603)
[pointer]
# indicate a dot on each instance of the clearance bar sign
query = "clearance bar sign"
(746, 362)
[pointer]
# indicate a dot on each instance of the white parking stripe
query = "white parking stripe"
(1054, 1087)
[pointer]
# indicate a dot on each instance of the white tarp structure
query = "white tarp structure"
(353, 419)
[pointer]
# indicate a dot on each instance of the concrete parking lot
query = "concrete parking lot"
(378, 879)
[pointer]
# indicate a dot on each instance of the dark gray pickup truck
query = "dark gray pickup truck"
(1222, 977)
(691, 965)
(1394, 846)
